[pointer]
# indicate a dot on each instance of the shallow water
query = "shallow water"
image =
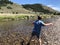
(13, 32)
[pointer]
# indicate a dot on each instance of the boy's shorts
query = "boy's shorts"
(35, 33)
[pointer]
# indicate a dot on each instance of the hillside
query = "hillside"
(40, 8)
(13, 8)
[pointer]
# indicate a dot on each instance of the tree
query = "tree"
(4, 0)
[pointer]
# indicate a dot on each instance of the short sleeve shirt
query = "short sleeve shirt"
(37, 25)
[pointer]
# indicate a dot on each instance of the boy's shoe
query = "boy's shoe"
(28, 43)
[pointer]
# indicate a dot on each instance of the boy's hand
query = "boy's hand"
(51, 23)
(48, 24)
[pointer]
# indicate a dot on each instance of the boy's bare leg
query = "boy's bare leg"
(29, 40)
(40, 41)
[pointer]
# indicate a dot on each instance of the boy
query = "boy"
(37, 28)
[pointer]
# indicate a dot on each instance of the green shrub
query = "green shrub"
(16, 12)
(13, 12)
(0, 7)
(9, 7)
(1, 12)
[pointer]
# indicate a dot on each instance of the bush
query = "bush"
(0, 7)
(9, 7)
(10, 2)
(1, 12)
(16, 12)
(13, 12)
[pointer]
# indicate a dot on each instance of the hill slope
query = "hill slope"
(10, 7)
(39, 8)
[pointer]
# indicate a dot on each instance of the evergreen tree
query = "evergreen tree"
(4, 0)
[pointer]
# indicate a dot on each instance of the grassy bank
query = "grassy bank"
(16, 17)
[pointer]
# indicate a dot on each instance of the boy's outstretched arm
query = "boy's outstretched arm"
(47, 24)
